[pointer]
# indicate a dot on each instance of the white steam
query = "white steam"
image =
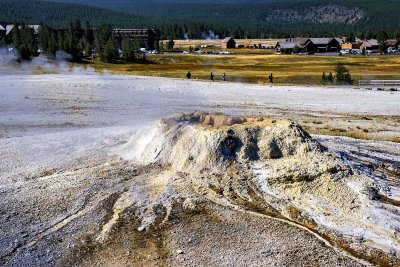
(40, 65)
(210, 35)
(186, 36)
(7, 55)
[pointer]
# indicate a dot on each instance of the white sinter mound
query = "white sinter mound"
(262, 162)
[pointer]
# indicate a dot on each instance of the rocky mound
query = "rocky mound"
(266, 166)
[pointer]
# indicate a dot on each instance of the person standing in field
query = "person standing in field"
(188, 75)
(224, 77)
(271, 78)
(212, 76)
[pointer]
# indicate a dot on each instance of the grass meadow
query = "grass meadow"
(248, 68)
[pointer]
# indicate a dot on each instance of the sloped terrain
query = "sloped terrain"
(243, 19)
(319, 14)
(271, 167)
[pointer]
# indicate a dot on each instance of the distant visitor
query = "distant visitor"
(224, 77)
(271, 78)
(211, 76)
(189, 75)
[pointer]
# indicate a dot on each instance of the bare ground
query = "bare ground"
(60, 180)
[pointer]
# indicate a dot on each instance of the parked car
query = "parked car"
(344, 51)
(392, 50)
(356, 51)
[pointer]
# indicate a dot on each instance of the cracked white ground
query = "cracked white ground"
(71, 195)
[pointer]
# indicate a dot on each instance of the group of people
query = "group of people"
(223, 76)
(189, 76)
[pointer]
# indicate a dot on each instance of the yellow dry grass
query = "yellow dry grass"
(185, 44)
(287, 69)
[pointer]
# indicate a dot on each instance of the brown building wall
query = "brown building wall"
(230, 44)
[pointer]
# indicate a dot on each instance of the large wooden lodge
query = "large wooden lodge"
(147, 37)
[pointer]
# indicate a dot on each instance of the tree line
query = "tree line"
(342, 77)
(78, 41)
(197, 20)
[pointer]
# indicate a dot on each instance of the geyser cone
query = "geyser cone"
(196, 142)
(269, 166)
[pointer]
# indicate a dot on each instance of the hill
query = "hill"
(240, 18)
(60, 14)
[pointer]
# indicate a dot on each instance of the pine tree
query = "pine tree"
(16, 36)
(170, 44)
(342, 74)
(24, 41)
(103, 34)
(110, 52)
(52, 47)
(351, 38)
(88, 34)
(43, 36)
(128, 50)
(382, 37)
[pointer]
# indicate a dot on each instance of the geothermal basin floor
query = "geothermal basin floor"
(60, 175)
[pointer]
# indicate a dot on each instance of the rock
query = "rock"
(141, 228)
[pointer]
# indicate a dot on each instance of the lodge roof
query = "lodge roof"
(392, 42)
(227, 39)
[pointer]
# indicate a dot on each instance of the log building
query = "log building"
(148, 38)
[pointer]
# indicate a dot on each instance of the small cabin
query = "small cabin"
(228, 42)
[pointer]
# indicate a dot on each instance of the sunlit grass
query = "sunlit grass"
(287, 69)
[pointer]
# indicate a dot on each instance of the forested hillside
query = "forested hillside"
(240, 18)
(61, 14)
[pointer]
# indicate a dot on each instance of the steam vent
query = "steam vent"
(261, 165)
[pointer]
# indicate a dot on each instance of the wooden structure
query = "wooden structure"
(5, 29)
(322, 45)
(228, 42)
(309, 45)
(393, 43)
(370, 45)
(148, 38)
(392, 85)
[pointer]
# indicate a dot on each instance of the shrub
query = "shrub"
(296, 49)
